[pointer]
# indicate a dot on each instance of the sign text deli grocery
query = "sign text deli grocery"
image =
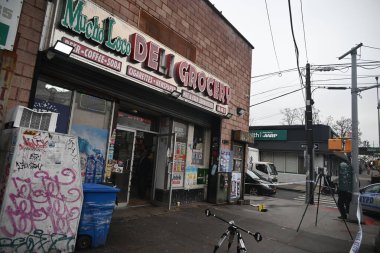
(151, 55)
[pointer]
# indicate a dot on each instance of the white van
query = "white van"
(265, 169)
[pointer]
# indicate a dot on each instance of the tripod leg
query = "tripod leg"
(240, 245)
(307, 206)
(231, 237)
(221, 240)
(319, 196)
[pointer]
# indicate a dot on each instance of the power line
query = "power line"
(276, 97)
(372, 47)
(271, 33)
(304, 34)
(275, 73)
(342, 65)
(277, 88)
(295, 43)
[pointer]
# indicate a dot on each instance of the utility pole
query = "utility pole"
(309, 139)
(378, 107)
(355, 147)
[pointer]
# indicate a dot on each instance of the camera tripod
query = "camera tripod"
(231, 231)
(321, 175)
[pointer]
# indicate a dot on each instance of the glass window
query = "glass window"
(91, 123)
(51, 98)
(262, 168)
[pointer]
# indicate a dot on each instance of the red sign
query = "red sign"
(93, 55)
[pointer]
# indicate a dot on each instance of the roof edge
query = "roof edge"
(228, 22)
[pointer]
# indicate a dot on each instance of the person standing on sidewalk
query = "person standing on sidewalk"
(344, 189)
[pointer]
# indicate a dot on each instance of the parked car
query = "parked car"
(370, 198)
(265, 169)
(257, 185)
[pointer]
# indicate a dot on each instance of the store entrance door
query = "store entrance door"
(123, 156)
(134, 153)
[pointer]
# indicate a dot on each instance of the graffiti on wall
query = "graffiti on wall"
(43, 195)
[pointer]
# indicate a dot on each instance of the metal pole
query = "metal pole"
(355, 147)
(378, 106)
(309, 138)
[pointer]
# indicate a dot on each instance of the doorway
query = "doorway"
(133, 155)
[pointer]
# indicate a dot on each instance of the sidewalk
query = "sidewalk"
(187, 229)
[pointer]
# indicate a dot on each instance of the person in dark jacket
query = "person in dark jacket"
(344, 189)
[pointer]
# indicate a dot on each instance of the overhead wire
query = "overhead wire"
(288, 93)
(271, 33)
(304, 33)
(295, 43)
(277, 88)
(371, 47)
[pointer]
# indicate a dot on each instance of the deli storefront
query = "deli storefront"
(148, 120)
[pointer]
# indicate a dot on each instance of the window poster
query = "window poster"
(180, 157)
(191, 176)
(235, 185)
(92, 145)
(177, 179)
(202, 176)
(225, 160)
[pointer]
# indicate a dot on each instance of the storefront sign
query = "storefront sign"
(242, 136)
(197, 99)
(10, 15)
(133, 72)
(269, 135)
(93, 55)
(101, 39)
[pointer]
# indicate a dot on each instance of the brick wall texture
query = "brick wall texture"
(219, 49)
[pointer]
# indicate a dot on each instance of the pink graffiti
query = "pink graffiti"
(48, 201)
(34, 142)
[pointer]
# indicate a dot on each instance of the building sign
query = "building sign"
(269, 135)
(10, 15)
(101, 39)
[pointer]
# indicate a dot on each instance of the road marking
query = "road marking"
(326, 201)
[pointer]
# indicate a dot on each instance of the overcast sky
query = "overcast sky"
(332, 27)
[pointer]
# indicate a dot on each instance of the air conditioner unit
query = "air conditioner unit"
(22, 116)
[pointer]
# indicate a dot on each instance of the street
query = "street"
(187, 229)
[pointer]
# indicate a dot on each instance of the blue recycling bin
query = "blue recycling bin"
(98, 205)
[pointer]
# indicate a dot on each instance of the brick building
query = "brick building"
(155, 91)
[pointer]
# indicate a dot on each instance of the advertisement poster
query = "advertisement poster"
(191, 176)
(202, 176)
(225, 160)
(92, 146)
(177, 179)
(235, 185)
(180, 157)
